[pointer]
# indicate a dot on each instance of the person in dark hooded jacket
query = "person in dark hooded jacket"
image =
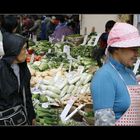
(15, 82)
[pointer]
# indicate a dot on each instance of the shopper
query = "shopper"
(100, 51)
(19, 26)
(44, 21)
(36, 28)
(10, 23)
(50, 26)
(114, 86)
(62, 30)
(16, 106)
(27, 23)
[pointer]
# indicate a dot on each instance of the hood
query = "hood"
(12, 44)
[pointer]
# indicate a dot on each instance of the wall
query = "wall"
(137, 21)
(96, 20)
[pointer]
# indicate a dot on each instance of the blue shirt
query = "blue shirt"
(109, 90)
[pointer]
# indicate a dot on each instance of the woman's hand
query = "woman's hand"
(34, 122)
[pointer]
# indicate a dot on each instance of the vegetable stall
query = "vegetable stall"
(60, 83)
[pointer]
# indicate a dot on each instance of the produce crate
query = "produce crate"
(86, 120)
(76, 40)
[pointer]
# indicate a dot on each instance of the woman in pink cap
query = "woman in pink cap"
(115, 90)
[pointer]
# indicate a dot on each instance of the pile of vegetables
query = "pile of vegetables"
(51, 61)
(84, 98)
(55, 87)
(48, 62)
(58, 84)
(41, 47)
(47, 116)
(84, 51)
(56, 77)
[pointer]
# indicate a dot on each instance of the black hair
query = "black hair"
(109, 24)
(10, 23)
(112, 49)
(61, 18)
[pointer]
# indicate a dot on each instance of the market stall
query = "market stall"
(61, 72)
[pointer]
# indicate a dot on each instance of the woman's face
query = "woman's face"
(22, 56)
(127, 56)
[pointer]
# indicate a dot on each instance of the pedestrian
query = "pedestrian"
(16, 106)
(99, 52)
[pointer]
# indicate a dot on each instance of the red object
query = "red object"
(28, 58)
(37, 57)
(30, 51)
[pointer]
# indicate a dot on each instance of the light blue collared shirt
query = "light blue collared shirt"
(109, 90)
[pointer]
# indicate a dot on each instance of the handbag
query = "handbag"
(13, 116)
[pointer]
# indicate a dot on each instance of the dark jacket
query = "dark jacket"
(103, 40)
(9, 94)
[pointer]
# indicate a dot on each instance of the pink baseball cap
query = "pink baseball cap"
(123, 35)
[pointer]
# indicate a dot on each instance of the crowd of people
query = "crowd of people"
(114, 87)
(41, 27)
(16, 107)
